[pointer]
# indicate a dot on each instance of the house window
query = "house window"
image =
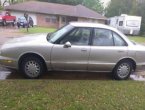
(47, 19)
(51, 19)
(63, 19)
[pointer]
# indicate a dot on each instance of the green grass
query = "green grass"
(37, 30)
(71, 95)
(137, 39)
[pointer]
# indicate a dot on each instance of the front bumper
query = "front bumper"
(8, 62)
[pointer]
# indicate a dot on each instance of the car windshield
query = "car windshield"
(23, 19)
(59, 33)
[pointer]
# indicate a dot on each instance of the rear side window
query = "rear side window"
(103, 37)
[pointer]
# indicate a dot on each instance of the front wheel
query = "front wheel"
(122, 70)
(32, 67)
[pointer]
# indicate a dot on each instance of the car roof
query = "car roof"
(87, 24)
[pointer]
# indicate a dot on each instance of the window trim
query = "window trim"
(120, 38)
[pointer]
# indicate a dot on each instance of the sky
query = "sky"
(105, 2)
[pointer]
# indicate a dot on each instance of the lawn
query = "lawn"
(72, 95)
(37, 30)
(137, 39)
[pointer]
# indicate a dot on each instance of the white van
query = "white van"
(126, 24)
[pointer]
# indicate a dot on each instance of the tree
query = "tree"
(141, 12)
(117, 7)
(132, 7)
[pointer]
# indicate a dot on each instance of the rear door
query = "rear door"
(106, 50)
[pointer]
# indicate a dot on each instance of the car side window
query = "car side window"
(118, 40)
(103, 37)
(79, 36)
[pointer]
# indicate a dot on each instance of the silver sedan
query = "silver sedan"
(75, 47)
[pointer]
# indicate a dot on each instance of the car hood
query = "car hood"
(28, 40)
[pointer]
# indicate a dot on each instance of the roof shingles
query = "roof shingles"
(56, 9)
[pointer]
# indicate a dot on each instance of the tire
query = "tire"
(32, 67)
(4, 23)
(18, 25)
(122, 70)
(23, 25)
(13, 23)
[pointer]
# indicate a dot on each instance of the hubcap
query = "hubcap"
(32, 69)
(123, 70)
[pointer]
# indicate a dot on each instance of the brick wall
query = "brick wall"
(53, 21)
(47, 21)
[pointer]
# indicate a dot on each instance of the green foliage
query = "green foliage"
(95, 5)
(141, 12)
(1, 8)
(137, 39)
(117, 7)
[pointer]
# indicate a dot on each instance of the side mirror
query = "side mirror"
(67, 45)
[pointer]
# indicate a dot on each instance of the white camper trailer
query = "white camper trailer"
(126, 24)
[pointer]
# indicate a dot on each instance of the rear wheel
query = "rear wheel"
(122, 70)
(32, 67)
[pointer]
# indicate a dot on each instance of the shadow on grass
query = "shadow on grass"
(67, 76)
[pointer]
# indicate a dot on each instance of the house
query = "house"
(54, 15)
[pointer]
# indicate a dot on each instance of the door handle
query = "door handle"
(84, 50)
(120, 51)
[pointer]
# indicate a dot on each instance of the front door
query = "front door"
(72, 51)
